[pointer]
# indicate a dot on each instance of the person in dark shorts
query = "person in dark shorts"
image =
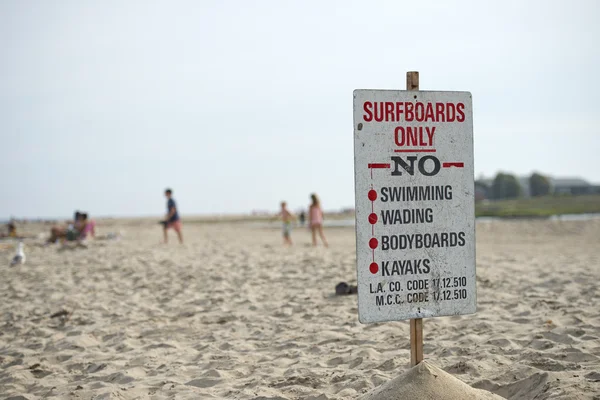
(172, 220)
(70, 232)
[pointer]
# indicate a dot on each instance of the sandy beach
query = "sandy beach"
(232, 314)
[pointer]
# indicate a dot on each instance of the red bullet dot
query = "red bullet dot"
(373, 243)
(374, 268)
(372, 218)
(372, 195)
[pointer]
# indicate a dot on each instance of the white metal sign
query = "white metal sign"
(415, 216)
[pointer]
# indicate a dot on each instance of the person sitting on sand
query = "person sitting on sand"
(287, 217)
(11, 231)
(71, 232)
(172, 219)
(88, 229)
(315, 222)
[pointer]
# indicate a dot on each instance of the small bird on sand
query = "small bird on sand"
(19, 258)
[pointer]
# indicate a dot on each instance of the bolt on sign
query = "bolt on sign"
(415, 214)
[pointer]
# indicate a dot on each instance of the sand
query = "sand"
(427, 382)
(234, 315)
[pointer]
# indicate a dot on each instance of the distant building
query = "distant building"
(571, 186)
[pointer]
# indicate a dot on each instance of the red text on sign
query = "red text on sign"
(389, 111)
(414, 136)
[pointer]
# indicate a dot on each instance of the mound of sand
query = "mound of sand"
(427, 382)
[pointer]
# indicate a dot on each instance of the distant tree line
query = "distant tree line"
(507, 186)
(539, 185)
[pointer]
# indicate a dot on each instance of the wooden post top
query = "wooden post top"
(412, 80)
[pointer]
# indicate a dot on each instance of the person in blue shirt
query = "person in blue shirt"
(172, 218)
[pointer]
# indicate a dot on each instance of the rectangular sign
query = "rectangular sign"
(415, 212)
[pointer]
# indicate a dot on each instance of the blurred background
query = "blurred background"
(238, 105)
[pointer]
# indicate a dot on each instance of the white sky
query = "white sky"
(237, 105)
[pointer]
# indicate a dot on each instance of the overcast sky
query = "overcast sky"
(237, 105)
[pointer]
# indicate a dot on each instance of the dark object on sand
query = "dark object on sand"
(343, 288)
(163, 223)
(61, 313)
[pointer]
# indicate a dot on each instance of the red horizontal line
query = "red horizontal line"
(379, 165)
(453, 164)
(415, 151)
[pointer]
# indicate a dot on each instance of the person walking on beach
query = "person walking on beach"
(172, 219)
(287, 217)
(315, 221)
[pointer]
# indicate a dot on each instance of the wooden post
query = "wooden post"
(416, 325)
(412, 80)
(416, 341)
